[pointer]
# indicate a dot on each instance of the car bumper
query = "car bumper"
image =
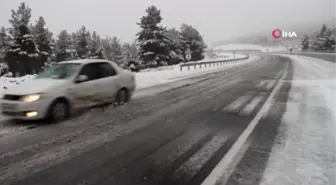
(24, 110)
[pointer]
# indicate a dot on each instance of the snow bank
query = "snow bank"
(151, 78)
(159, 68)
(305, 149)
(223, 56)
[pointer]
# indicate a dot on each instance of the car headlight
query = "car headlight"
(31, 97)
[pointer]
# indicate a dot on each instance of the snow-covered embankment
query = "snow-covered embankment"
(305, 149)
(151, 78)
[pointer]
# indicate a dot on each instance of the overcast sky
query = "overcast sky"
(215, 19)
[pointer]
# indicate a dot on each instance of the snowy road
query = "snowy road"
(303, 151)
(306, 139)
(163, 137)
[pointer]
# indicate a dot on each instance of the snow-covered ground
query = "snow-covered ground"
(250, 47)
(238, 47)
(316, 53)
(151, 78)
(226, 55)
(305, 151)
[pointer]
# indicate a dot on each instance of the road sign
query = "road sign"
(188, 57)
(188, 54)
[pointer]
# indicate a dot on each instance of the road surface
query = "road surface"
(160, 138)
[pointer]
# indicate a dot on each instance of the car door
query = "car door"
(87, 93)
(110, 81)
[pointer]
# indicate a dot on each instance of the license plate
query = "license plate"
(9, 106)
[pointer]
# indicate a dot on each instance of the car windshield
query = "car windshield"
(59, 71)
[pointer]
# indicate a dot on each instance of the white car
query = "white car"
(65, 87)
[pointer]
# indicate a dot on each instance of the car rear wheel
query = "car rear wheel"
(59, 111)
(122, 97)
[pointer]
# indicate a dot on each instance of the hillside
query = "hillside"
(264, 37)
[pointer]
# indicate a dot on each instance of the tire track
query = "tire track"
(96, 137)
(215, 93)
(195, 163)
(150, 176)
(64, 138)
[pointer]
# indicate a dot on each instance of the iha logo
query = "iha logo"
(277, 33)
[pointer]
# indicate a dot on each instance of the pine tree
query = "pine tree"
(82, 46)
(63, 46)
(333, 32)
(176, 48)
(332, 43)
(72, 52)
(305, 42)
(95, 48)
(43, 38)
(116, 52)
(73, 41)
(329, 32)
(107, 49)
(154, 45)
(23, 54)
(323, 30)
(4, 43)
(130, 53)
(192, 39)
(53, 55)
(20, 17)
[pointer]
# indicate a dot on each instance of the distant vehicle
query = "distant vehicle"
(68, 86)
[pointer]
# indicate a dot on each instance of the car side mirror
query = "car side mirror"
(82, 78)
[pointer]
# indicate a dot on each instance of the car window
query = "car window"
(59, 71)
(107, 70)
(92, 71)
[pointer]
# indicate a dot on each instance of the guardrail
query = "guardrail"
(217, 62)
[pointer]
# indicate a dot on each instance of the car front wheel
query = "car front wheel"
(59, 111)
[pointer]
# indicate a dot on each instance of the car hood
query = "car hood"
(34, 86)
